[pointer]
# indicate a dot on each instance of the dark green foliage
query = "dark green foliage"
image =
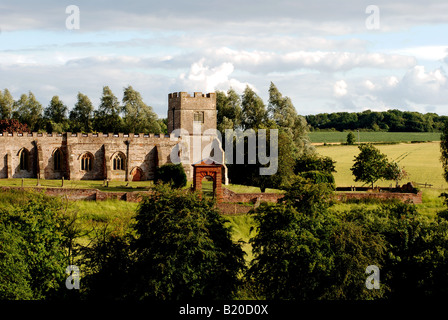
(33, 250)
(351, 139)
(173, 174)
(316, 168)
(391, 120)
(444, 150)
(183, 249)
(302, 251)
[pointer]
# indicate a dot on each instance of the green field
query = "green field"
(421, 161)
(341, 137)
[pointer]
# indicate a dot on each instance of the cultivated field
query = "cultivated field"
(341, 137)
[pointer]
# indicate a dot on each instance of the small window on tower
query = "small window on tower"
(199, 117)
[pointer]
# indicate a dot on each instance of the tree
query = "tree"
(13, 125)
(228, 107)
(394, 172)
(35, 235)
(81, 116)
(370, 164)
(107, 118)
(183, 249)
(55, 115)
(316, 168)
(138, 117)
(173, 174)
(351, 139)
(29, 111)
(6, 105)
(284, 114)
(254, 114)
(444, 150)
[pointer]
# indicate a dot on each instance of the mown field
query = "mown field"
(341, 137)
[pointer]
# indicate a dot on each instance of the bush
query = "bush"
(173, 174)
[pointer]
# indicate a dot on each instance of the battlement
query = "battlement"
(179, 95)
(79, 134)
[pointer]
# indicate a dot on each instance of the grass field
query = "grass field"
(421, 161)
(341, 137)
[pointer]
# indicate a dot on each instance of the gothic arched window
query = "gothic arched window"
(24, 157)
(86, 162)
(57, 160)
(118, 162)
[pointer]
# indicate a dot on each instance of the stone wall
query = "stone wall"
(140, 152)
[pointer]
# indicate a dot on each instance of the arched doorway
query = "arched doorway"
(213, 171)
(137, 174)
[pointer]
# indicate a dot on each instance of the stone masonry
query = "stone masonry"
(99, 156)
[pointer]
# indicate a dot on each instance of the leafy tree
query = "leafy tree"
(29, 111)
(6, 105)
(55, 116)
(370, 164)
(81, 116)
(444, 150)
(394, 172)
(228, 107)
(351, 139)
(302, 251)
(13, 125)
(316, 168)
(284, 114)
(183, 249)
(107, 118)
(173, 174)
(35, 235)
(138, 117)
(254, 114)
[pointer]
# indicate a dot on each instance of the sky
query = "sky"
(327, 56)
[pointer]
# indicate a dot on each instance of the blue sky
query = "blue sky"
(320, 53)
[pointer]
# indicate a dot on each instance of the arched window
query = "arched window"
(57, 160)
(118, 162)
(86, 162)
(24, 157)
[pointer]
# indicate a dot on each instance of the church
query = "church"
(107, 156)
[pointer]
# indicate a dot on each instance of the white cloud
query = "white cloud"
(209, 79)
(340, 88)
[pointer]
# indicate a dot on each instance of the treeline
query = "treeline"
(391, 121)
(131, 115)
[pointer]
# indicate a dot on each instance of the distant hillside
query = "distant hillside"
(391, 121)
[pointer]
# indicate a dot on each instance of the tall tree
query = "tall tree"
(6, 105)
(138, 117)
(283, 112)
(444, 150)
(107, 117)
(254, 114)
(81, 116)
(55, 115)
(228, 108)
(56, 110)
(29, 111)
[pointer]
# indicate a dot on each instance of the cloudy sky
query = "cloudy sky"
(326, 55)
